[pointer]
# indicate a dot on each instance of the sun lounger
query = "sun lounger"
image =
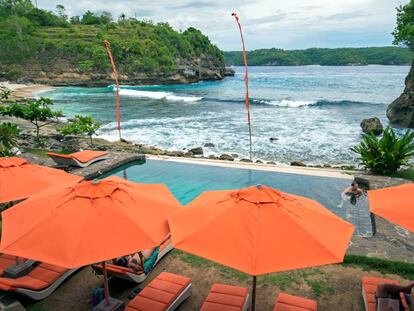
(226, 298)
(129, 274)
(369, 287)
(164, 293)
(80, 159)
(285, 302)
(6, 261)
(38, 283)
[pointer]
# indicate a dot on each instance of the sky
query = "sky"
(286, 24)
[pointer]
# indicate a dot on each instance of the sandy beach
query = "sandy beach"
(22, 91)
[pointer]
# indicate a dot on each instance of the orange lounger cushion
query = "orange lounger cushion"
(369, 287)
(287, 302)
(6, 261)
(225, 298)
(82, 156)
(87, 155)
(39, 278)
(160, 293)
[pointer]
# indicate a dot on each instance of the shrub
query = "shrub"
(36, 112)
(387, 154)
(81, 125)
(9, 133)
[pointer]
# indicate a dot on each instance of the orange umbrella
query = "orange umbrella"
(20, 179)
(92, 221)
(395, 204)
(259, 230)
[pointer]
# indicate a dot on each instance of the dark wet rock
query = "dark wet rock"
(401, 111)
(246, 160)
(235, 155)
(197, 151)
(327, 166)
(297, 163)
(126, 141)
(271, 163)
(213, 157)
(372, 125)
(226, 157)
(259, 161)
(209, 145)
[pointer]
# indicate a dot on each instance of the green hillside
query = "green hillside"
(329, 57)
(32, 38)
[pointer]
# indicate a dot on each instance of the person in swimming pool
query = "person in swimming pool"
(353, 190)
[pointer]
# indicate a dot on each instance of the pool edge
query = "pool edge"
(309, 171)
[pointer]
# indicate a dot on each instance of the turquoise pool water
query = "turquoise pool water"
(187, 181)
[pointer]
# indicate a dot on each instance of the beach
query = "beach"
(21, 91)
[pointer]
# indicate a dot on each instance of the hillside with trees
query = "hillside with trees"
(326, 57)
(53, 48)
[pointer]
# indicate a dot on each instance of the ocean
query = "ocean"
(313, 112)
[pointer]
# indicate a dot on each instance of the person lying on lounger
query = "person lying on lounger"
(142, 261)
(392, 291)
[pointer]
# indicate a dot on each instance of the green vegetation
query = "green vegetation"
(9, 133)
(403, 269)
(83, 125)
(43, 152)
(33, 38)
(406, 174)
(5, 94)
(329, 57)
(404, 31)
(387, 154)
(314, 277)
(36, 112)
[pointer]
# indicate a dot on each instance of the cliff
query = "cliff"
(42, 47)
(401, 111)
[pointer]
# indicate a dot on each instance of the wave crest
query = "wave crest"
(158, 95)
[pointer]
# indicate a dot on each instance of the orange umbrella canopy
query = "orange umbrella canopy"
(20, 179)
(92, 221)
(260, 230)
(395, 204)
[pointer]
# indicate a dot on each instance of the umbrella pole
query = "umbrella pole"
(254, 294)
(106, 285)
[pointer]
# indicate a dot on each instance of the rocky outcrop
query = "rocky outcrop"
(197, 151)
(372, 125)
(297, 163)
(63, 72)
(401, 111)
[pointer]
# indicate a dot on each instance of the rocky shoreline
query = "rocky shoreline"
(55, 141)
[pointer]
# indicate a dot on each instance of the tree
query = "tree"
(61, 11)
(9, 133)
(404, 31)
(387, 154)
(37, 112)
(81, 125)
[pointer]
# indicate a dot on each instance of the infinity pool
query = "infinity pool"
(187, 181)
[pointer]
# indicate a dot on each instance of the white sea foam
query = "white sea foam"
(158, 95)
(292, 103)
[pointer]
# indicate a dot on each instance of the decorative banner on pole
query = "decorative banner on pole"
(118, 112)
(246, 80)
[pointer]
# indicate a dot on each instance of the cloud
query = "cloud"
(283, 24)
